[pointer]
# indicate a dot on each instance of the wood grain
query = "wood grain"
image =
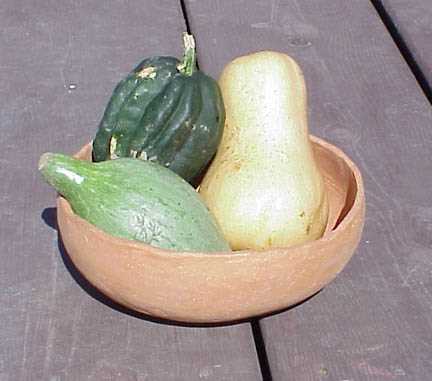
(59, 62)
(374, 321)
(413, 21)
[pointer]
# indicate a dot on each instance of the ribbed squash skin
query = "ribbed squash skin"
(160, 114)
(137, 200)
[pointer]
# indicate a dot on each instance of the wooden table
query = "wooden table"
(59, 61)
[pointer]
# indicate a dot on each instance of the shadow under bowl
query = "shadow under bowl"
(227, 286)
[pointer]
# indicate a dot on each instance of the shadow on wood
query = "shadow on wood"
(49, 215)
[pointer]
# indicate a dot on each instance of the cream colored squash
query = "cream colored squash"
(264, 186)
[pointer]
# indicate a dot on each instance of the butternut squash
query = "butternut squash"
(264, 186)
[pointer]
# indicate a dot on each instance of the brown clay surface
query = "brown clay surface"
(203, 287)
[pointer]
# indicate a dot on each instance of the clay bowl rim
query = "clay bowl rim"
(166, 253)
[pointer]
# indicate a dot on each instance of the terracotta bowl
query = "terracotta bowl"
(226, 286)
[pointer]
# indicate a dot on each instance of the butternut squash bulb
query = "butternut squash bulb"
(264, 186)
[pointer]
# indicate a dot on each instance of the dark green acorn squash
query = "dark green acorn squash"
(165, 111)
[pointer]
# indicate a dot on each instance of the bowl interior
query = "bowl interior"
(340, 178)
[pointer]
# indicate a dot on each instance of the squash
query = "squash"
(137, 200)
(264, 186)
(164, 111)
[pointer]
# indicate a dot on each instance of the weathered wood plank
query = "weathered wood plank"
(374, 321)
(413, 21)
(58, 65)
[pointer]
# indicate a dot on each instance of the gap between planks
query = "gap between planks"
(403, 48)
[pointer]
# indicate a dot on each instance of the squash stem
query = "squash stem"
(188, 65)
